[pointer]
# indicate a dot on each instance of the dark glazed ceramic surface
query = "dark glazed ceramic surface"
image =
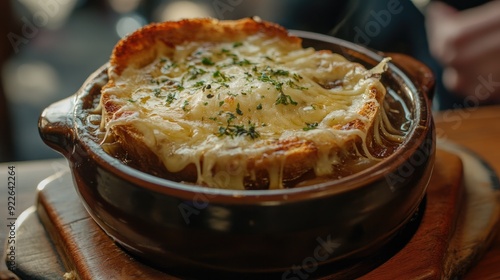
(172, 225)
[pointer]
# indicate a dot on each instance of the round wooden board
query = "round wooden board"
(460, 219)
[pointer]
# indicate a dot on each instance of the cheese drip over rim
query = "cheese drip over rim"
(226, 107)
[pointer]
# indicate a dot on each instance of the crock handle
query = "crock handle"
(55, 125)
(420, 74)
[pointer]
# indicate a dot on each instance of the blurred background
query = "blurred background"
(49, 47)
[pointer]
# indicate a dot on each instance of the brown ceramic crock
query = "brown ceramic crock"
(174, 226)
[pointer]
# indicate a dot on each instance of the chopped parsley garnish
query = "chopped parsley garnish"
(296, 77)
(170, 98)
(233, 130)
(264, 77)
(237, 44)
(285, 99)
(310, 126)
(199, 84)
(207, 61)
(239, 130)
(157, 92)
(220, 77)
(195, 72)
(238, 110)
(185, 106)
(280, 72)
(243, 62)
(293, 85)
(250, 131)
(230, 117)
(166, 67)
(259, 107)
(271, 76)
(248, 76)
(223, 131)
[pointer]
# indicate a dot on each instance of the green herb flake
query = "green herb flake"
(310, 126)
(269, 75)
(248, 76)
(238, 110)
(157, 92)
(167, 66)
(259, 107)
(155, 81)
(170, 98)
(185, 106)
(199, 84)
(265, 78)
(293, 85)
(280, 72)
(220, 77)
(207, 61)
(297, 77)
(239, 130)
(237, 44)
(223, 131)
(285, 99)
(195, 72)
(230, 117)
(243, 62)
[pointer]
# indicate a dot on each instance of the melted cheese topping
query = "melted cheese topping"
(217, 105)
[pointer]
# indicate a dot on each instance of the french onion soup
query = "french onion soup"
(243, 105)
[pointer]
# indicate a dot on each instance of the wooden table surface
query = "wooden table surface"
(475, 128)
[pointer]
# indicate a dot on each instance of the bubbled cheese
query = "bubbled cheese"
(215, 105)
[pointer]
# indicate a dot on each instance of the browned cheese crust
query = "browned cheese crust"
(145, 45)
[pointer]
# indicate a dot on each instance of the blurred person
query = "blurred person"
(459, 40)
(467, 45)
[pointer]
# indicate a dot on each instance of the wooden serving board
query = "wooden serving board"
(60, 241)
